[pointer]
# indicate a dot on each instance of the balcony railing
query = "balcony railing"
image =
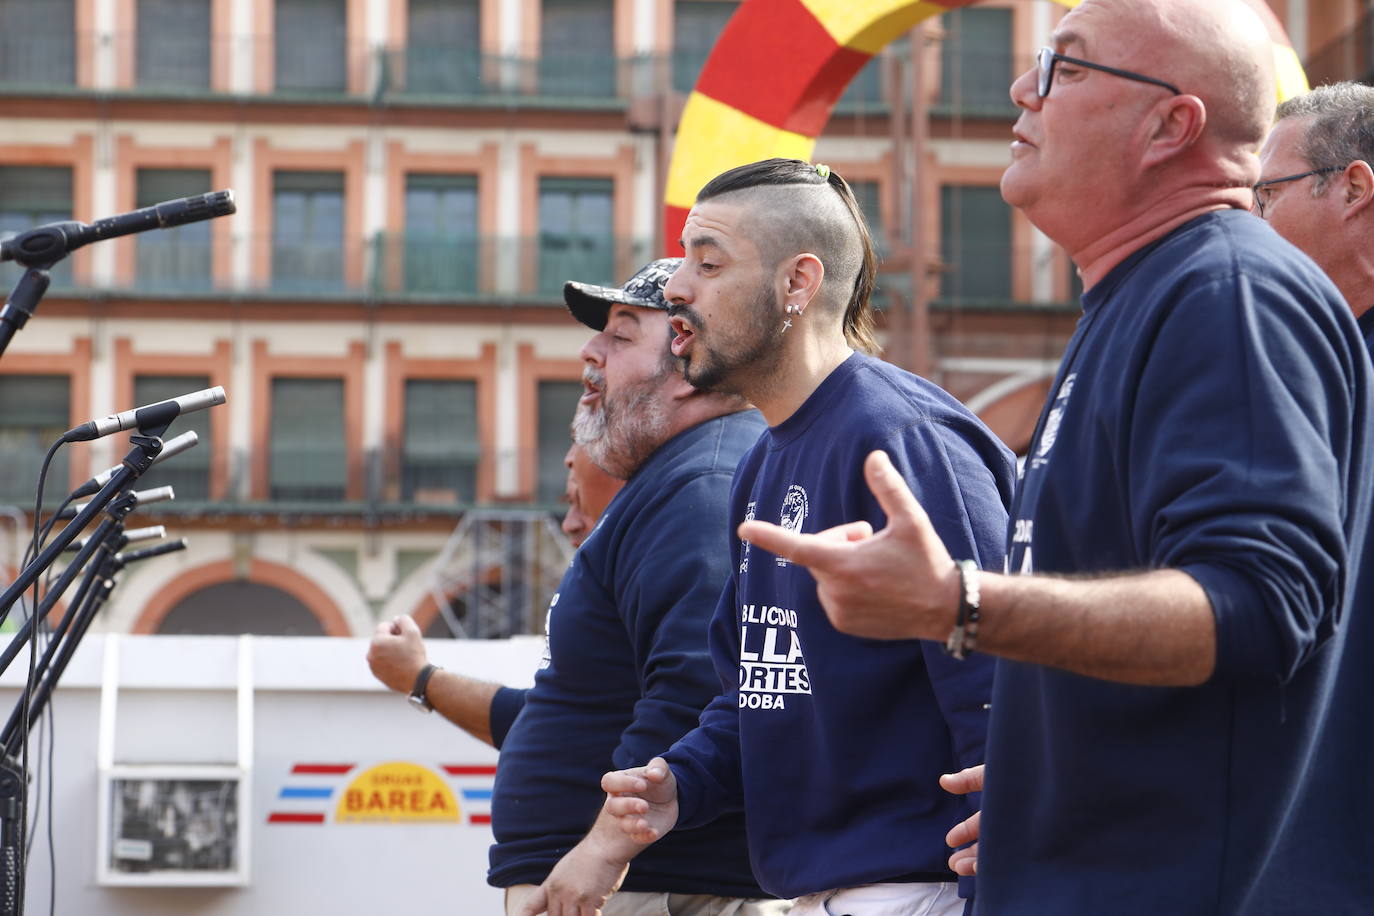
(424, 268)
(487, 267)
(37, 61)
(385, 481)
(428, 74)
(163, 262)
(982, 274)
(438, 73)
(977, 84)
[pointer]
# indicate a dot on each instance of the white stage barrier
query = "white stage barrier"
(250, 776)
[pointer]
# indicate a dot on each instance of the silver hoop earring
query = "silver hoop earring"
(790, 310)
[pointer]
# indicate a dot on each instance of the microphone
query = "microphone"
(157, 550)
(130, 536)
(137, 498)
(174, 446)
(48, 244)
(150, 416)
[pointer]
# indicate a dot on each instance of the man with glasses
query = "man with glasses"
(1316, 187)
(1180, 721)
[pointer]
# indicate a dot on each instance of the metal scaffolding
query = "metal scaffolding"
(498, 571)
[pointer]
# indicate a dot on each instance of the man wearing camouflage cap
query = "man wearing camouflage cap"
(626, 669)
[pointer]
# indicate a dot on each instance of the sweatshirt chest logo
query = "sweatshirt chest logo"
(771, 666)
(1050, 433)
(744, 546)
(793, 514)
(547, 658)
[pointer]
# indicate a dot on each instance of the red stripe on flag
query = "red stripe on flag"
(481, 818)
(453, 769)
(827, 85)
(673, 220)
(788, 77)
(281, 817)
(336, 769)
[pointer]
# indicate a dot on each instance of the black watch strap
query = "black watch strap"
(418, 697)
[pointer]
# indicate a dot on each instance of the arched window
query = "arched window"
(233, 608)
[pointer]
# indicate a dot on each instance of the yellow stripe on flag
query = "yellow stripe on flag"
(867, 27)
(1288, 70)
(870, 26)
(713, 137)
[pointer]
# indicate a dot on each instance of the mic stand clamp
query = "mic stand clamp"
(22, 303)
(149, 445)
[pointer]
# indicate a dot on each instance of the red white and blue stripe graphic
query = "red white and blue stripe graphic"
(311, 791)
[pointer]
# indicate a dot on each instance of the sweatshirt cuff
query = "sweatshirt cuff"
(1246, 645)
(505, 706)
(687, 801)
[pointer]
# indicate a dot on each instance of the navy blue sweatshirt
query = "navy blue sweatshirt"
(627, 672)
(1366, 322)
(1212, 414)
(833, 744)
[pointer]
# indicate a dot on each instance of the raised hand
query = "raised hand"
(585, 878)
(899, 583)
(964, 861)
(643, 800)
(397, 653)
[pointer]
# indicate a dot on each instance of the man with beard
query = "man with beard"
(626, 669)
(1181, 716)
(832, 745)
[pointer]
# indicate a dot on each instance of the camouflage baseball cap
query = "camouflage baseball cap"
(591, 304)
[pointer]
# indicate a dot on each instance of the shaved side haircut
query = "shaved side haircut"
(795, 209)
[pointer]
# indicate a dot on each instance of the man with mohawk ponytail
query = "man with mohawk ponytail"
(833, 746)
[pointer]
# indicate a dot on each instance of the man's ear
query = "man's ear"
(1175, 129)
(802, 278)
(1358, 181)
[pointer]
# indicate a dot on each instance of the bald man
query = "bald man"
(1181, 716)
(589, 491)
(1316, 187)
(833, 745)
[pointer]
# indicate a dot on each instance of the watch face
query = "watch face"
(420, 703)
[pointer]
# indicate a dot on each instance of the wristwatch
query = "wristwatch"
(417, 697)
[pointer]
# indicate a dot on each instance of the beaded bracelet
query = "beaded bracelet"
(963, 639)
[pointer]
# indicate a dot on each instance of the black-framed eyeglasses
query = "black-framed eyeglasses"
(1046, 58)
(1261, 188)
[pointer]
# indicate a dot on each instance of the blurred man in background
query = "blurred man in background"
(1316, 187)
(589, 491)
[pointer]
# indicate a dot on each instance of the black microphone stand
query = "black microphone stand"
(13, 778)
(94, 591)
(96, 542)
(39, 249)
(91, 597)
(144, 453)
